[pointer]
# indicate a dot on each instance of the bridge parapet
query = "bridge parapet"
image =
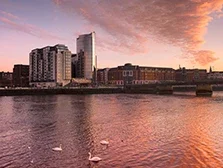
(194, 82)
(167, 89)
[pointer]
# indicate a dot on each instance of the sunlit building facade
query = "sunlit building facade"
(86, 65)
(50, 66)
(135, 74)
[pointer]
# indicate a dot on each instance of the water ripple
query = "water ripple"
(143, 131)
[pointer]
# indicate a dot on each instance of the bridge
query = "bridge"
(195, 82)
(203, 87)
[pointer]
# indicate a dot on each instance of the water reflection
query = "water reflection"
(201, 142)
(81, 123)
(143, 130)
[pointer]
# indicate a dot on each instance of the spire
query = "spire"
(210, 71)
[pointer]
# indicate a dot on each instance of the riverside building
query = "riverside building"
(102, 76)
(21, 75)
(50, 66)
(86, 63)
(6, 79)
(188, 75)
(135, 74)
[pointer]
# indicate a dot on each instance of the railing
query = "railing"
(194, 82)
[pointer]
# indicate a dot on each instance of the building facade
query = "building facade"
(135, 74)
(215, 75)
(102, 76)
(6, 79)
(86, 64)
(21, 75)
(183, 74)
(74, 62)
(50, 66)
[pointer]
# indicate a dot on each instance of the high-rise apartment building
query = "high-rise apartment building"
(50, 66)
(86, 57)
(21, 75)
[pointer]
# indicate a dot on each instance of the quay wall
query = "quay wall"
(35, 91)
(193, 88)
(19, 92)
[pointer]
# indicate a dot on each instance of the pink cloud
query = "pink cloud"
(12, 22)
(204, 56)
(9, 15)
(131, 24)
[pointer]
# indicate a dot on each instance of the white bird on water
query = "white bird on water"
(104, 142)
(58, 148)
(94, 159)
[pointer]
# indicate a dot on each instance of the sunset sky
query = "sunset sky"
(165, 33)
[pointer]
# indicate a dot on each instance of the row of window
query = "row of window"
(121, 82)
(127, 73)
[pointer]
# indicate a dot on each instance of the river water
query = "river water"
(155, 131)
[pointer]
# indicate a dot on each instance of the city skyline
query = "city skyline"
(169, 35)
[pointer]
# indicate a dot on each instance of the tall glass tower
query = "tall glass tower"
(86, 67)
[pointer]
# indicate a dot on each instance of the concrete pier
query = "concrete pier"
(204, 90)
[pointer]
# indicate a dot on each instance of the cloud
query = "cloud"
(9, 15)
(204, 56)
(13, 22)
(131, 24)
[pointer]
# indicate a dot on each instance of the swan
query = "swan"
(93, 159)
(57, 148)
(104, 142)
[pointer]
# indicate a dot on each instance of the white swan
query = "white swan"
(93, 159)
(58, 148)
(104, 142)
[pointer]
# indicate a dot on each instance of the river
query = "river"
(143, 130)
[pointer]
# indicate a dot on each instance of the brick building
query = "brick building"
(183, 74)
(6, 79)
(21, 75)
(102, 76)
(135, 74)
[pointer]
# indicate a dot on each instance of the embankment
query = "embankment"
(19, 92)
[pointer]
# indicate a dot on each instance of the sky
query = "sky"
(164, 33)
